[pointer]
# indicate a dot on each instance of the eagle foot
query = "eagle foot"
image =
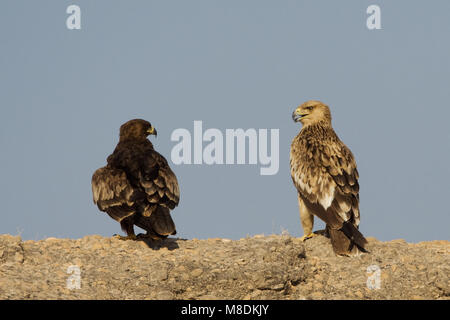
(309, 236)
(128, 237)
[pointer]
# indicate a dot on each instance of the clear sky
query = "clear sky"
(231, 64)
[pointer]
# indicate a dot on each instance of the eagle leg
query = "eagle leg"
(307, 219)
(127, 225)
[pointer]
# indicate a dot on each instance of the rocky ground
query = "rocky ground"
(259, 267)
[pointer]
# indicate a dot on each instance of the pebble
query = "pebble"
(164, 295)
(196, 272)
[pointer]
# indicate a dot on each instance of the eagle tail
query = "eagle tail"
(159, 224)
(347, 240)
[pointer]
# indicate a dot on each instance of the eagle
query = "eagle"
(137, 186)
(324, 173)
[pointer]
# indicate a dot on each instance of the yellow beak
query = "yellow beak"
(152, 130)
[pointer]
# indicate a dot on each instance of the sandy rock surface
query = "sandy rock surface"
(258, 267)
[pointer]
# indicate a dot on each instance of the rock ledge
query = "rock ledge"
(258, 267)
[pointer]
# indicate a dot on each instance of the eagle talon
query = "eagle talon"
(309, 236)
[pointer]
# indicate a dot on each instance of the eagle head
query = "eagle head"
(312, 112)
(136, 129)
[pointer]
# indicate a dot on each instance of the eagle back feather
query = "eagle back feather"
(148, 171)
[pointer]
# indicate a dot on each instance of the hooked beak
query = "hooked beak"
(296, 117)
(152, 131)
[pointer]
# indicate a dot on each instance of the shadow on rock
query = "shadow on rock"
(169, 243)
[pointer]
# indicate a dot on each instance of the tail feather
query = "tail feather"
(347, 240)
(159, 223)
(162, 222)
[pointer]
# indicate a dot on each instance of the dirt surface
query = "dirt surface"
(259, 267)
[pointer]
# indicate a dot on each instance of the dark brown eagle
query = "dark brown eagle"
(324, 172)
(137, 186)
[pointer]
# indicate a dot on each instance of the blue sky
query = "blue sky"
(230, 64)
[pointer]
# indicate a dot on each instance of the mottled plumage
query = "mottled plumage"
(324, 172)
(137, 186)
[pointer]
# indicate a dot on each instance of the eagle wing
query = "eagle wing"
(341, 166)
(113, 193)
